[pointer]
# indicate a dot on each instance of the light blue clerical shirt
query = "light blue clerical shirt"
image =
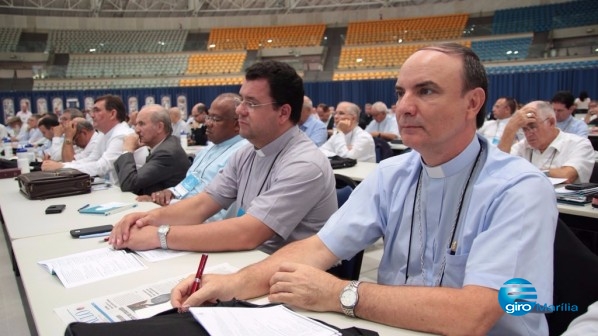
(207, 163)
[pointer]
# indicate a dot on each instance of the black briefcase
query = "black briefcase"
(63, 182)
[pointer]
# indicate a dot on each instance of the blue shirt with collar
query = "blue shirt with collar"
(503, 233)
(573, 125)
(207, 163)
(315, 129)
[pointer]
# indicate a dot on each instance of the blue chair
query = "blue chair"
(348, 269)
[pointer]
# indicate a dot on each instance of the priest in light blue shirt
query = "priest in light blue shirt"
(313, 127)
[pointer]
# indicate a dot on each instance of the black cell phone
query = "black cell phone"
(54, 209)
(581, 186)
(77, 233)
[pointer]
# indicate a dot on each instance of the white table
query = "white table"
(358, 172)
(27, 218)
(576, 210)
(192, 150)
(45, 292)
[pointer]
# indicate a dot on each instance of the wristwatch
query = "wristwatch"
(349, 298)
(162, 232)
(68, 141)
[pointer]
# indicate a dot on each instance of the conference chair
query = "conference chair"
(383, 150)
(347, 269)
(575, 278)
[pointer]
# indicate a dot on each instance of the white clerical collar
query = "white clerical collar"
(457, 164)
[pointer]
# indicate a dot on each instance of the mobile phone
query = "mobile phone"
(56, 208)
(77, 233)
(581, 186)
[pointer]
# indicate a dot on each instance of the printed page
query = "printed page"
(159, 254)
(91, 266)
(268, 321)
(141, 302)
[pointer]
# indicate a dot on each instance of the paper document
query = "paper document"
(107, 209)
(267, 321)
(557, 180)
(91, 266)
(141, 302)
(159, 254)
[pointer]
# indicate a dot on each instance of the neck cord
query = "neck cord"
(451, 241)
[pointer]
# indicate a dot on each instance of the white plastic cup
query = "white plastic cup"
(23, 164)
(184, 140)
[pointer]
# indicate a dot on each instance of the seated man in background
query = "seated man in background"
(46, 126)
(109, 116)
(383, 124)
(563, 104)
(55, 151)
(447, 211)
(502, 111)
(223, 132)
(197, 125)
(178, 125)
(283, 186)
(167, 162)
(313, 127)
(34, 135)
(591, 117)
(350, 141)
(79, 133)
(557, 153)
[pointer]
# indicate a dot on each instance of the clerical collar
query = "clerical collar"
(456, 165)
(278, 144)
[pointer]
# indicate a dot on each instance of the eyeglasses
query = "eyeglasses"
(251, 105)
(218, 119)
(532, 127)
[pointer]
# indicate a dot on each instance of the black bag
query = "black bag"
(62, 182)
(199, 136)
(172, 323)
(338, 162)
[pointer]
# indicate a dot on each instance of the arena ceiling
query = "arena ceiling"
(191, 8)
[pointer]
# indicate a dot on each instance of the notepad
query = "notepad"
(107, 209)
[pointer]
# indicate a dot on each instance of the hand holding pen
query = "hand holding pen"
(197, 281)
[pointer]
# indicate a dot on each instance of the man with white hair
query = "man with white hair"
(557, 153)
(349, 141)
(383, 124)
(178, 125)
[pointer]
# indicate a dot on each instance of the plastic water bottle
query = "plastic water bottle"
(184, 139)
(7, 146)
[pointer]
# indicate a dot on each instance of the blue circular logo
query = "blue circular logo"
(517, 297)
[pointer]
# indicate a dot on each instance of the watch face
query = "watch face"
(348, 298)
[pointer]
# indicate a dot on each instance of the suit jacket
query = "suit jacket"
(165, 167)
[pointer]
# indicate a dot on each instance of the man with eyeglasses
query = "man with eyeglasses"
(283, 186)
(502, 110)
(167, 162)
(108, 116)
(222, 129)
(79, 133)
(557, 153)
(350, 141)
(197, 125)
(55, 150)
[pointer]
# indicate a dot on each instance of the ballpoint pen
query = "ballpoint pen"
(83, 207)
(197, 282)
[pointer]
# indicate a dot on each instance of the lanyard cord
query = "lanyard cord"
(416, 200)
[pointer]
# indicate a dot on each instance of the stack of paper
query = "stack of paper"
(268, 321)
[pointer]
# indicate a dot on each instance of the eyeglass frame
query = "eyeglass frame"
(251, 106)
(527, 129)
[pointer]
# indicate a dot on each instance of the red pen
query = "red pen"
(199, 274)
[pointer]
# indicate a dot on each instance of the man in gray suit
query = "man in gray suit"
(167, 162)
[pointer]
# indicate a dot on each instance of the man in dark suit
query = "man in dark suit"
(167, 162)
